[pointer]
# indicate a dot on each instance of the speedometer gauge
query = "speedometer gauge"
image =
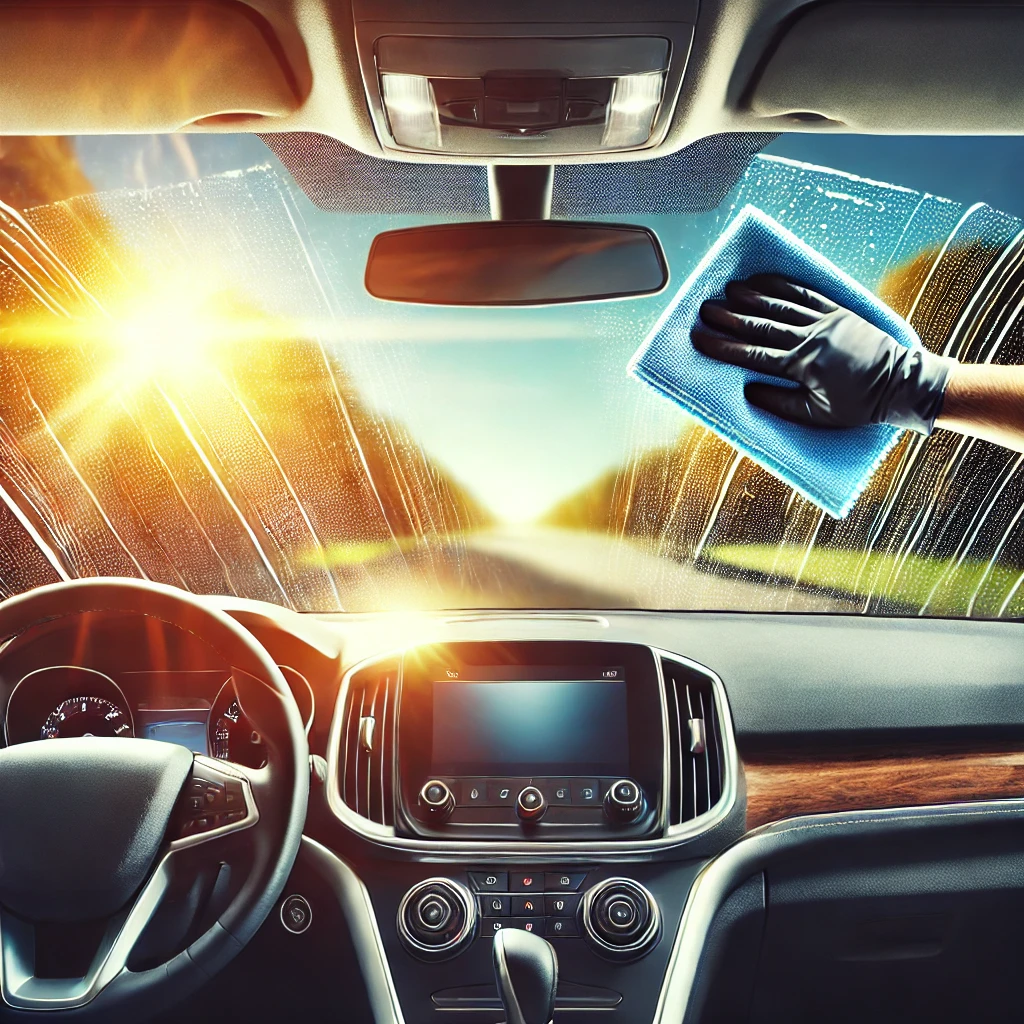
(85, 716)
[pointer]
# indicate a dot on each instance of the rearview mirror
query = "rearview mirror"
(515, 263)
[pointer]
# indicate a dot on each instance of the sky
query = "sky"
(526, 406)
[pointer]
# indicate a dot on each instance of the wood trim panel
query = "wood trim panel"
(806, 784)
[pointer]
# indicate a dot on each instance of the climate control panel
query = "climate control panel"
(617, 917)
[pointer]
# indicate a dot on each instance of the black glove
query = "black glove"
(850, 373)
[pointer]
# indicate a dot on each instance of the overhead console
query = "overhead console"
(530, 89)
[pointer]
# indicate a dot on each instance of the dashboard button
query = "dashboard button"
(296, 914)
(503, 792)
(558, 791)
(494, 906)
(528, 924)
(563, 881)
(527, 906)
(474, 793)
(561, 926)
(562, 906)
(586, 792)
(489, 881)
(532, 881)
(491, 925)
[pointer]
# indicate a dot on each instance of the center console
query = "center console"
(543, 786)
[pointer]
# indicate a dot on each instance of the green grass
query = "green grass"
(339, 554)
(933, 585)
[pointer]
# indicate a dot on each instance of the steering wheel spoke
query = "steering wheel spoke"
(23, 989)
(218, 799)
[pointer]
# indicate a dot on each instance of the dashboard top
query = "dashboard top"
(785, 680)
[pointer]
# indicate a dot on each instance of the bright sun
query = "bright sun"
(171, 334)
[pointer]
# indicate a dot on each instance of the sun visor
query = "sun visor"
(84, 68)
(918, 69)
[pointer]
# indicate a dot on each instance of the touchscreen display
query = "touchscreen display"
(530, 727)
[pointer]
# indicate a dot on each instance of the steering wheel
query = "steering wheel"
(172, 860)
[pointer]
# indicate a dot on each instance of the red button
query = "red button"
(532, 881)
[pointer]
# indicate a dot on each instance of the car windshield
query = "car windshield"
(197, 389)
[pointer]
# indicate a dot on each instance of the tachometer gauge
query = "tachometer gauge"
(85, 716)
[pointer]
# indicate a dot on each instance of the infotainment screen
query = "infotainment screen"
(487, 721)
(529, 727)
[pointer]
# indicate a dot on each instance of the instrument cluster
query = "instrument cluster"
(199, 709)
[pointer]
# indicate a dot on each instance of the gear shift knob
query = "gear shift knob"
(526, 970)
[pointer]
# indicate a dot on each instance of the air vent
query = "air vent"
(367, 741)
(696, 748)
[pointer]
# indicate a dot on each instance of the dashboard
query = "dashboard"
(637, 788)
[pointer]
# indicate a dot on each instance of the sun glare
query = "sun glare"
(172, 334)
(177, 342)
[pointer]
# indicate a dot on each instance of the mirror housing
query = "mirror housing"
(515, 263)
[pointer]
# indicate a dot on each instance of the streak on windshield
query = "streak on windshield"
(195, 388)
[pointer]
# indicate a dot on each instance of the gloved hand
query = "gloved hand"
(850, 373)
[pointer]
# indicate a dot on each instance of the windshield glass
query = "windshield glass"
(196, 388)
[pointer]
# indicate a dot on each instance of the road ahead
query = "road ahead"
(533, 567)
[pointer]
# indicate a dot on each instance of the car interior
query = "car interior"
(409, 660)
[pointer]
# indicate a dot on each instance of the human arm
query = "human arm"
(987, 401)
(849, 372)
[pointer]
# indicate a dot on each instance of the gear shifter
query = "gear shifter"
(526, 970)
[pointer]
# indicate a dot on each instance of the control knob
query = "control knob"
(621, 919)
(624, 802)
(530, 804)
(436, 919)
(437, 798)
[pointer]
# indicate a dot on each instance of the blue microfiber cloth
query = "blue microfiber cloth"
(831, 467)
